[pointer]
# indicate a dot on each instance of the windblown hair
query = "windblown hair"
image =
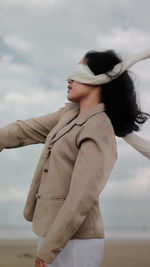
(119, 96)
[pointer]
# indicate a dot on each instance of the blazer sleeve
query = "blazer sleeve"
(95, 160)
(29, 131)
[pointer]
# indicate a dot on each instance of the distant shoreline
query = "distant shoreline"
(110, 234)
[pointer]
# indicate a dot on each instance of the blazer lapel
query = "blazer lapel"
(72, 115)
(66, 118)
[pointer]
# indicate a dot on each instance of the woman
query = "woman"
(79, 154)
(122, 109)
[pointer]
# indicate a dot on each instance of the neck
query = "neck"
(84, 105)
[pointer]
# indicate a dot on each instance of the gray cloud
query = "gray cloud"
(40, 42)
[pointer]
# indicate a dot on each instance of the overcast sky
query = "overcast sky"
(40, 43)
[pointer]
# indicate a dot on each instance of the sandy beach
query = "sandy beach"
(126, 253)
(118, 253)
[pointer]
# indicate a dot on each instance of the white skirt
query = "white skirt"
(78, 253)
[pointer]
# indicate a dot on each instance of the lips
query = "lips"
(69, 88)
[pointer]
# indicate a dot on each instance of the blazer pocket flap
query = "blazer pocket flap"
(50, 196)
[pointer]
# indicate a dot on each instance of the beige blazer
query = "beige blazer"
(63, 200)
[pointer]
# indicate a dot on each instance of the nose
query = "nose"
(69, 80)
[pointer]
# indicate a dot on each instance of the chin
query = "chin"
(72, 99)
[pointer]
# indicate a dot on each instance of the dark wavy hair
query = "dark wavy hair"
(119, 96)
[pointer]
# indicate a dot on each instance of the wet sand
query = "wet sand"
(17, 253)
(127, 253)
(118, 253)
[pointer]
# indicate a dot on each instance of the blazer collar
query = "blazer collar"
(71, 116)
(89, 113)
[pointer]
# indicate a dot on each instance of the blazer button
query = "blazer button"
(45, 170)
(50, 147)
(58, 250)
(38, 195)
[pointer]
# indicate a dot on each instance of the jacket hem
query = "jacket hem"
(88, 235)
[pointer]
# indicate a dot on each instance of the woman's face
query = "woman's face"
(76, 90)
